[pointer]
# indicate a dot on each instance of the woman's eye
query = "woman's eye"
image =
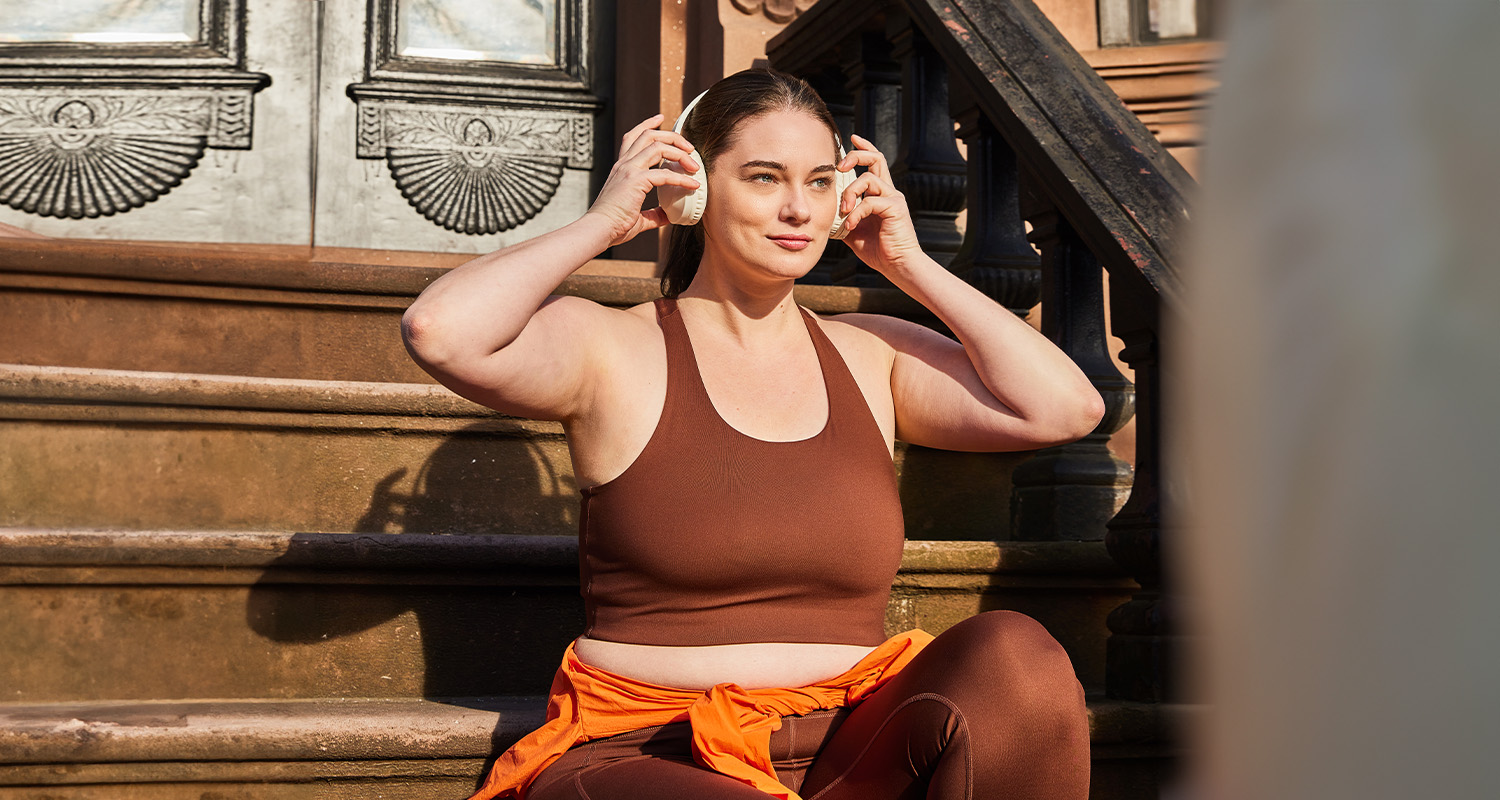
(822, 183)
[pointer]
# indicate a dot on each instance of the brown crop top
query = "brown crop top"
(715, 537)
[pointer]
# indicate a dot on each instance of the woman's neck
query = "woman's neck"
(745, 312)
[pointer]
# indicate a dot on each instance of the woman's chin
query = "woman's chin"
(797, 263)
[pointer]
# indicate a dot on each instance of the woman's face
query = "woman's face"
(771, 196)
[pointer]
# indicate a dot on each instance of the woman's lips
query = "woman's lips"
(792, 242)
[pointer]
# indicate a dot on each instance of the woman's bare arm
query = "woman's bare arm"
(488, 329)
(1002, 385)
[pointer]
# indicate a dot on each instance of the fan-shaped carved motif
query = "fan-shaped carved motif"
(91, 157)
(473, 174)
(475, 192)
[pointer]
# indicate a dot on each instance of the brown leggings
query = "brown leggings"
(990, 709)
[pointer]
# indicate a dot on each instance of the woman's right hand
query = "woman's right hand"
(638, 171)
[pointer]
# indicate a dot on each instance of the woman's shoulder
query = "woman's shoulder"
(856, 336)
(589, 317)
(856, 331)
(883, 332)
(603, 337)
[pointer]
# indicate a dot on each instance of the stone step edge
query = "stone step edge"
(361, 729)
(365, 272)
(40, 547)
(87, 385)
(260, 730)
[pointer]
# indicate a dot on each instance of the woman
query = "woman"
(740, 525)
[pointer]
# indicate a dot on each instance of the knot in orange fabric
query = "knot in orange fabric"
(731, 726)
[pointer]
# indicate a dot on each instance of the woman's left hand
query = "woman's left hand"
(880, 228)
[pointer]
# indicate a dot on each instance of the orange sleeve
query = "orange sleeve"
(731, 726)
(517, 767)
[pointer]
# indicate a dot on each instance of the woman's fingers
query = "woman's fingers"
(653, 218)
(880, 204)
(871, 207)
(866, 185)
(865, 154)
(668, 177)
(649, 157)
(649, 139)
(635, 133)
(638, 170)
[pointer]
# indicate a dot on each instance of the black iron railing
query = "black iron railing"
(1051, 147)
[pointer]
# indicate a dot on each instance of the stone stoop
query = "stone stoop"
(276, 312)
(99, 448)
(179, 323)
(149, 615)
(402, 749)
(316, 651)
(238, 526)
(338, 749)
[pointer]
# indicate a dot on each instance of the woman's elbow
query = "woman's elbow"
(1072, 420)
(421, 332)
(1091, 412)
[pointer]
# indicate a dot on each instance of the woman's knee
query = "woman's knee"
(1011, 653)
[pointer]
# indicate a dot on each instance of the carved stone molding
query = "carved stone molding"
(775, 10)
(475, 169)
(90, 129)
(79, 153)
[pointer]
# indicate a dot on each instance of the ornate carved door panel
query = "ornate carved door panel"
(456, 125)
(474, 122)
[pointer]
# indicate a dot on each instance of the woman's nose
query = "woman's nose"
(798, 206)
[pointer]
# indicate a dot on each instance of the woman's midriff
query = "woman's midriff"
(760, 665)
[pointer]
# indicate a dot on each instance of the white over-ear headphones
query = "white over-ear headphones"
(685, 206)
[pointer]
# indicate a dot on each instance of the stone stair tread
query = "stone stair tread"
(249, 730)
(53, 547)
(351, 728)
(55, 384)
(377, 273)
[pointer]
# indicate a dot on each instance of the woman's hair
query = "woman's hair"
(712, 128)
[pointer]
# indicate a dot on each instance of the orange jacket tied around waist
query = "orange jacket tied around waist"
(731, 726)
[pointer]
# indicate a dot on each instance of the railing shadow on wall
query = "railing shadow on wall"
(452, 590)
(1064, 188)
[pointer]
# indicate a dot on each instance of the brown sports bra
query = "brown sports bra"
(715, 537)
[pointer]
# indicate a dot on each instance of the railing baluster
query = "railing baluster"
(995, 256)
(928, 168)
(1071, 491)
(872, 79)
(837, 260)
(1139, 656)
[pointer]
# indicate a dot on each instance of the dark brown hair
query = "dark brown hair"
(712, 128)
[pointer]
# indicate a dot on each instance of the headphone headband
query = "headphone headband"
(685, 207)
(688, 109)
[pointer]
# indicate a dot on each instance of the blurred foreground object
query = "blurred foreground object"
(1340, 405)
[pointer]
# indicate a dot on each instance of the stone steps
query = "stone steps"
(92, 616)
(100, 448)
(241, 527)
(280, 312)
(126, 449)
(358, 748)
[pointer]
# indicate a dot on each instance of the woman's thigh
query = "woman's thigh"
(657, 763)
(991, 708)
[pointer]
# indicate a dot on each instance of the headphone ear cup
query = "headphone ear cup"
(685, 206)
(841, 181)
